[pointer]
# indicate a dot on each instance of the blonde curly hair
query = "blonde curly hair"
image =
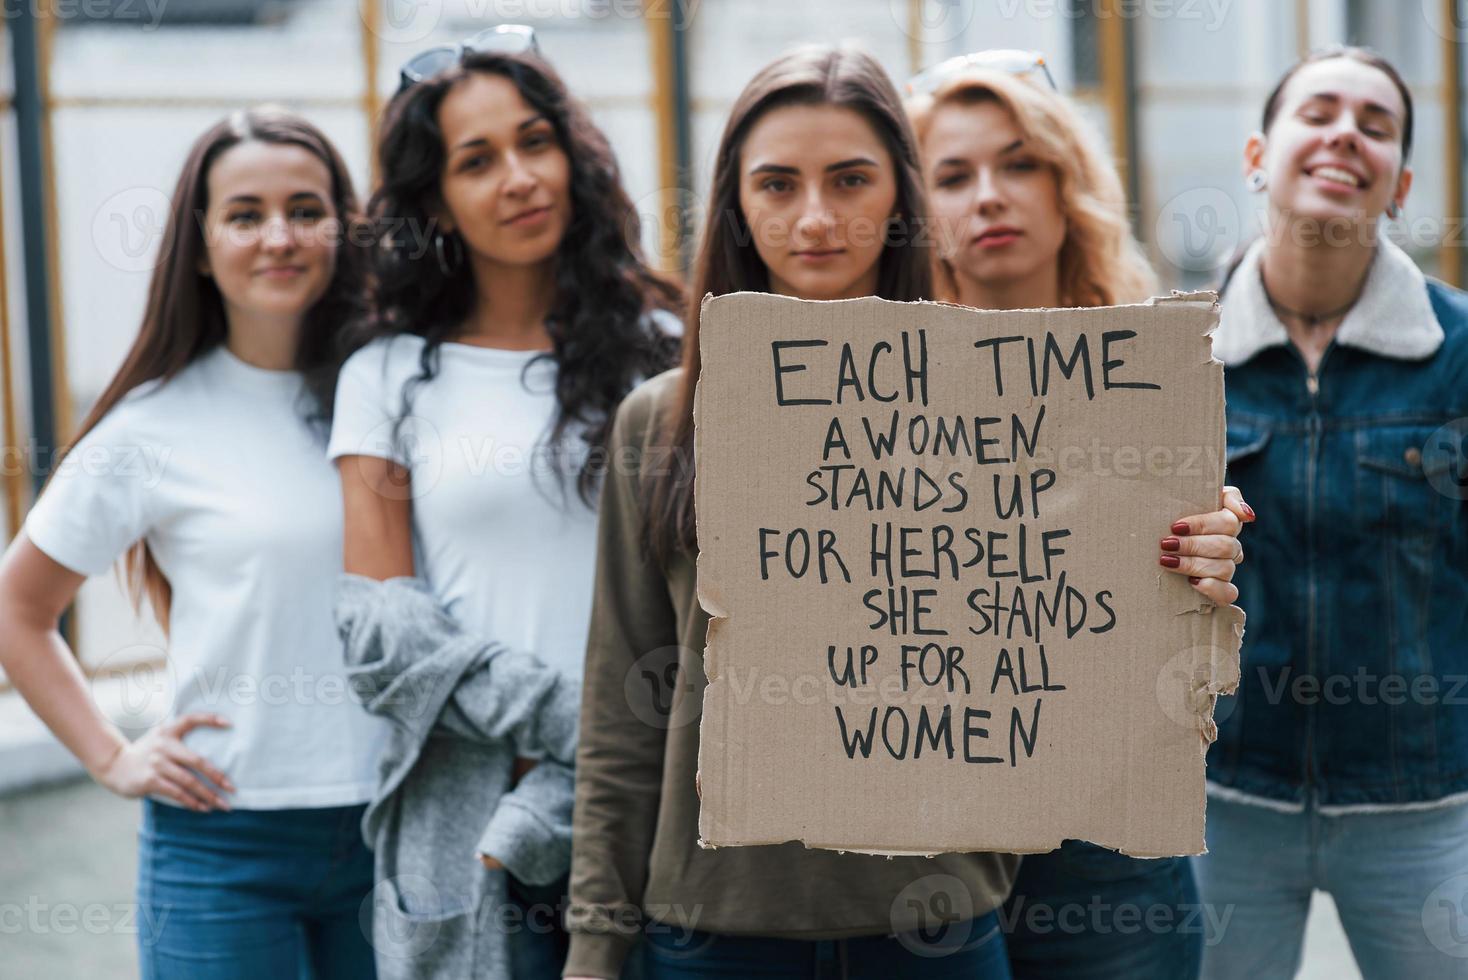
(1101, 263)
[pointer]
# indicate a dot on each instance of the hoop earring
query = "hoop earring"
(444, 265)
(1256, 180)
(1393, 210)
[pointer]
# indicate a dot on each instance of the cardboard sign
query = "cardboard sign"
(929, 541)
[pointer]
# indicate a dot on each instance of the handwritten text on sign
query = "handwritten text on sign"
(945, 527)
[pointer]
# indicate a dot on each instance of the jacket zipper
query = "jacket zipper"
(1312, 385)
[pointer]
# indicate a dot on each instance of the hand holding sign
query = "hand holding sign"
(928, 546)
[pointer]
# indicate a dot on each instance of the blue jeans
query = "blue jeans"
(1399, 880)
(970, 950)
(1082, 911)
(539, 943)
(250, 894)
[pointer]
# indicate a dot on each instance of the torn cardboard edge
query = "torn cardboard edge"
(1212, 670)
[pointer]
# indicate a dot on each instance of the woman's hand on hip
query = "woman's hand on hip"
(160, 764)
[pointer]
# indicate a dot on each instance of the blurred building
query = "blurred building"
(115, 90)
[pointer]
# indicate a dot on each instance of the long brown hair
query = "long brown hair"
(1101, 263)
(727, 261)
(184, 316)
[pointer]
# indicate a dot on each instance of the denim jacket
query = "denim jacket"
(1354, 686)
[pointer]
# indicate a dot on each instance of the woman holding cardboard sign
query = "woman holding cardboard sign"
(1345, 753)
(1030, 212)
(816, 170)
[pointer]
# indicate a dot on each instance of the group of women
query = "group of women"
(434, 460)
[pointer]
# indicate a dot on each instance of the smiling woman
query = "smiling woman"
(519, 331)
(233, 538)
(1347, 374)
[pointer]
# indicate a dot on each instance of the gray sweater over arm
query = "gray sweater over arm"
(462, 708)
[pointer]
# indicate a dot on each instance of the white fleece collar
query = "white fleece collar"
(1393, 318)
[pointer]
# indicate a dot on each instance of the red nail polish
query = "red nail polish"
(1170, 561)
(1171, 544)
(1193, 580)
(1250, 511)
(1181, 527)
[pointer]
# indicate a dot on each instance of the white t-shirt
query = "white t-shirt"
(217, 469)
(509, 552)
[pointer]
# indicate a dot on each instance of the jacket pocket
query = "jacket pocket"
(417, 936)
(1395, 496)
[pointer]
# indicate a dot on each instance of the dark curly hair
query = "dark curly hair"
(602, 339)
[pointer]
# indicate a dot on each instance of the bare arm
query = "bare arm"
(34, 591)
(377, 538)
(378, 511)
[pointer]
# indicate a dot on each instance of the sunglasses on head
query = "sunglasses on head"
(1010, 60)
(500, 39)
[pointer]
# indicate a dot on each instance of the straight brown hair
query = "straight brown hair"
(184, 315)
(727, 262)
